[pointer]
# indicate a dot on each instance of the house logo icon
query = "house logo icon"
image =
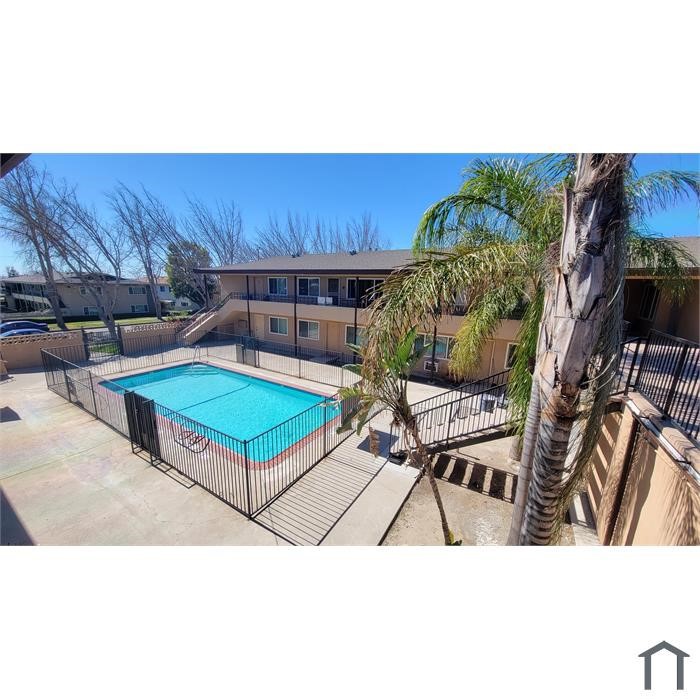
(680, 658)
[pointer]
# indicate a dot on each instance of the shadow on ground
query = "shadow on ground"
(12, 530)
(476, 476)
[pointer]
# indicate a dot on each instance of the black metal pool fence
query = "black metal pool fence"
(131, 352)
(249, 474)
(246, 474)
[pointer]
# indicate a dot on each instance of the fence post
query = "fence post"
(86, 348)
(247, 478)
(162, 352)
(449, 420)
(65, 379)
(631, 372)
(92, 390)
(325, 428)
(120, 340)
(45, 362)
(676, 377)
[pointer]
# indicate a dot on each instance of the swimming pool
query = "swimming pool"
(235, 404)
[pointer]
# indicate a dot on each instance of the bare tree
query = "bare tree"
(132, 212)
(219, 229)
(363, 234)
(28, 217)
(298, 235)
(172, 235)
(93, 251)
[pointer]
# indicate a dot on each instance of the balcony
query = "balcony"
(299, 299)
(455, 310)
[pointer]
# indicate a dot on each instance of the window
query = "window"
(368, 288)
(650, 300)
(333, 286)
(277, 286)
(278, 326)
(185, 303)
(309, 329)
(139, 308)
(137, 290)
(90, 311)
(510, 355)
(442, 346)
(164, 288)
(352, 338)
(83, 291)
(309, 286)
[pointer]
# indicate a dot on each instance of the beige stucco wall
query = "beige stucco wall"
(24, 351)
(148, 336)
(659, 502)
(74, 301)
(333, 321)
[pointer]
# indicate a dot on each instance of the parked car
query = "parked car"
(22, 331)
(16, 325)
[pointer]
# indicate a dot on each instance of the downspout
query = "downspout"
(295, 316)
(432, 367)
(247, 296)
(357, 296)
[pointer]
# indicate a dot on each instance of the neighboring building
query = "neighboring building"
(28, 293)
(168, 302)
(319, 301)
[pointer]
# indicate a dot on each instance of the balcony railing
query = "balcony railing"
(363, 303)
(302, 299)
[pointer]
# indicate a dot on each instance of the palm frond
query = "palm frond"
(662, 259)
(510, 198)
(520, 380)
(658, 191)
(480, 324)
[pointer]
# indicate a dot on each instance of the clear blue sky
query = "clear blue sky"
(396, 189)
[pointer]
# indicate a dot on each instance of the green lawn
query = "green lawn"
(74, 325)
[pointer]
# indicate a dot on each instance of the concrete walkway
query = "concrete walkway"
(66, 478)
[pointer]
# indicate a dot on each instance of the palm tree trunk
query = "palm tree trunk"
(594, 211)
(425, 464)
(532, 422)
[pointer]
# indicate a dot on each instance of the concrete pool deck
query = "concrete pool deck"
(66, 478)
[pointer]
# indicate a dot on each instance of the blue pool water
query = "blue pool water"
(235, 404)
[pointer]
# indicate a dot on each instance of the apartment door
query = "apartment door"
(259, 326)
(334, 289)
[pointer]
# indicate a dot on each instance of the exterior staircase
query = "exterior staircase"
(204, 321)
(474, 412)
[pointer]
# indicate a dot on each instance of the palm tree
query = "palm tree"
(493, 244)
(384, 384)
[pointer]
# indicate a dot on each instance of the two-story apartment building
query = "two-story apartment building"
(28, 293)
(320, 301)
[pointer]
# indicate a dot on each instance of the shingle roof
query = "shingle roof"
(368, 261)
(378, 261)
(60, 279)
